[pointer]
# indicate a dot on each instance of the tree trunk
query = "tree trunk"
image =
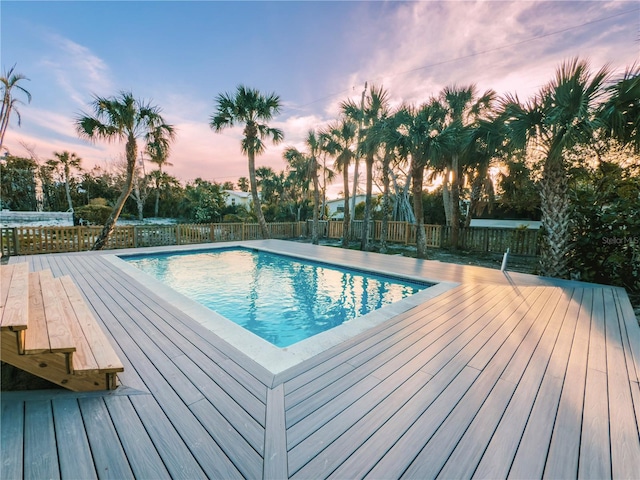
(157, 204)
(554, 203)
(132, 153)
(346, 219)
(257, 208)
(455, 201)
(421, 236)
(476, 190)
(446, 197)
(385, 205)
(66, 187)
(365, 243)
(316, 204)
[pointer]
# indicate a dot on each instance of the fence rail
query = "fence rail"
(480, 239)
(35, 240)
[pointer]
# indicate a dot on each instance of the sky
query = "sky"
(179, 55)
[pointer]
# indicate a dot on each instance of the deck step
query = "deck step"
(99, 355)
(61, 340)
(14, 296)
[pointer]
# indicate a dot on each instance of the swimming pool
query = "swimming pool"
(210, 325)
(283, 300)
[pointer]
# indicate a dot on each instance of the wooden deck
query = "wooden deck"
(505, 375)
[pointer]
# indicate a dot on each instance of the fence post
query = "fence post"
(135, 236)
(16, 243)
(406, 233)
(178, 234)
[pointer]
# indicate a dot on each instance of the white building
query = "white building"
(238, 198)
(336, 207)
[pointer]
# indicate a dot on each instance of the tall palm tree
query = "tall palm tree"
(67, 161)
(487, 144)
(308, 163)
(464, 109)
(557, 119)
(8, 82)
(340, 145)
(425, 139)
(158, 151)
(253, 109)
(126, 119)
(385, 132)
(374, 107)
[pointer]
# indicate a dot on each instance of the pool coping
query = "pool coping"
(274, 359)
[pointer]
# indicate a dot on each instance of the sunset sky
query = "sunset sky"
(180, 55)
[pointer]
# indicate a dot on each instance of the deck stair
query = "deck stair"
(48, 330)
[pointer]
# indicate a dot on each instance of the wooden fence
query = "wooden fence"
(480, 239)
(34, 240)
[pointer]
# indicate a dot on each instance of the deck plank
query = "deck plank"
(625, 441)
(143, 457)
(498, 456)
(110, 462)
(40, 452)
(12, 439)
(275, 438)
(75, 458)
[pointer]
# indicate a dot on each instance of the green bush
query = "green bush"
(93, 214)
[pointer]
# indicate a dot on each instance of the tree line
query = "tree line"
(570, 152)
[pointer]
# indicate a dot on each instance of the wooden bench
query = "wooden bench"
(62, 341)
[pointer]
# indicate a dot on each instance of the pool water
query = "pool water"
(281, 299)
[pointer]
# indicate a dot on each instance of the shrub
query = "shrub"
(93, 214)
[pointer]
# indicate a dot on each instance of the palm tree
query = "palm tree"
(8, 82)
(122, 118)
(67, 161)
(558, 118)
(308, 163)
(340, 145)
(158, 151)
(620, 113)
(372, 110)
(425, 139)
(251, 108)
(464, 110)
(243, 184)
(386, 131)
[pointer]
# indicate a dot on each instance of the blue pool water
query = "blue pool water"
(281, 299)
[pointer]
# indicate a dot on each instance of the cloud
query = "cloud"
(77, 69)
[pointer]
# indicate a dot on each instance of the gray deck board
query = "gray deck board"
(75, 458)
(109, 462)
(143, 457)
(12, 439)
(40, 451)
(503, 375)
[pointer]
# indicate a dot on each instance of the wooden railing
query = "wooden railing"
(479, 239)
(35, 240)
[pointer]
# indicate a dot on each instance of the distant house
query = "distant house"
(336, 207)
(238, 198)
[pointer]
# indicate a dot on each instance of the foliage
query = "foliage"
(252, 109)
(126, 119)
(18, 183)
(8, 82)
(203, 202)
(606, 228)
(94, 214)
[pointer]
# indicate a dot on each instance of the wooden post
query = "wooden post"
(14, 238)
(178, 234)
